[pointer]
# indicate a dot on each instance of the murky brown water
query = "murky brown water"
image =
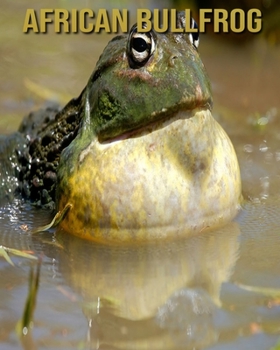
(215, 291)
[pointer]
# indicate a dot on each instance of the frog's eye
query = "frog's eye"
(194, 37)
(140, 47)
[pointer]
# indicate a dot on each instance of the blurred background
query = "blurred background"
(37, 68)
(244, 71)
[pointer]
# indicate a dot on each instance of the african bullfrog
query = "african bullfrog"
(138, 155)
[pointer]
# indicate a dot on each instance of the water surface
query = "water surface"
(219, 290)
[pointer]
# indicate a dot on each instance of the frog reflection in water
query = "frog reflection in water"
(138, 154)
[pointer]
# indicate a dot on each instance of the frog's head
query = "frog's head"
(149, 159)
(142, 78)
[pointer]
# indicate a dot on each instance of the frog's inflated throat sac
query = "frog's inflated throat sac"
(153, 164)
(171, 182)
(145, 160)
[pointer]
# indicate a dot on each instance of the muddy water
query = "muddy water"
(214, 291)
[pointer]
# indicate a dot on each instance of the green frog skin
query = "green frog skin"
(138, 155)
(149, 161)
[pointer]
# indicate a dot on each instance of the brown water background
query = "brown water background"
(188, 295)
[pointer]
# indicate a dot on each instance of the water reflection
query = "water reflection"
(143, 298)
(183, 294)
(152, 296)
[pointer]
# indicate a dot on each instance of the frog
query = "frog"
(160, 164)
(138, 156)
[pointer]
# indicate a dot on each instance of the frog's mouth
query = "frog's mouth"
(163, 121)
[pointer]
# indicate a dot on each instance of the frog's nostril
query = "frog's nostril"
(172, 60)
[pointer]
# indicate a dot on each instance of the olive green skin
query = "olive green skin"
(29, 157)
(137, 156)
(149, 161)
(121, 98)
